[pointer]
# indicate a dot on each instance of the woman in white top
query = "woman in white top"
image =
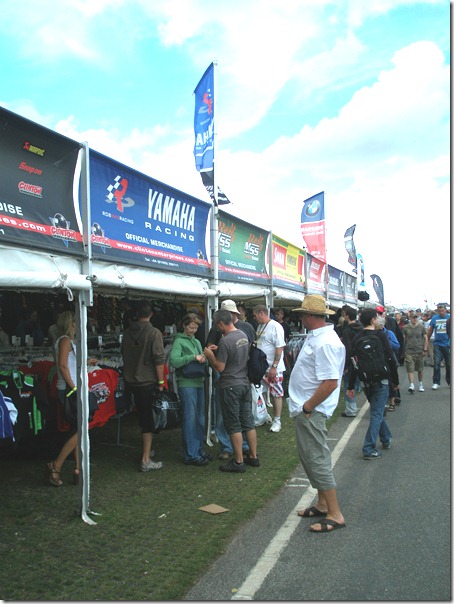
(65, 352)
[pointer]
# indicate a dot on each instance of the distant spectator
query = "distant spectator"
(30, 326)
(442, 345)
(4, 338)
(280, 316)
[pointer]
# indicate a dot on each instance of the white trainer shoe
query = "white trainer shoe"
(411, 389)
(276, 425)
(435, 387)
(151, 465)
(421, 388)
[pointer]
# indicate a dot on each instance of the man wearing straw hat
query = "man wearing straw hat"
(313, 396)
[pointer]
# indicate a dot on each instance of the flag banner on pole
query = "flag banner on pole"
(207, 179)
(378, 288)
(204, 134)
(361, 264)
(350, 246)
(313, 225)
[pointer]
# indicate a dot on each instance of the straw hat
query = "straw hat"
(230, 306)
(314, 304)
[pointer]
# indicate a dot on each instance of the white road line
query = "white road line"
(270, 556)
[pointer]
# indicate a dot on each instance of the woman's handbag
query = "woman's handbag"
(193, 369)
(70, 405)
(166, 410)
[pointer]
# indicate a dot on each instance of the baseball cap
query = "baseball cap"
(380, 308)
(230, 306)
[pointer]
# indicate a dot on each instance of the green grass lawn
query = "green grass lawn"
(151, 541)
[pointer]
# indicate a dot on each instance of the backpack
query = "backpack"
(369, 358)
(257, 364)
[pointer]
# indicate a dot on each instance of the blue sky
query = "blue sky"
(350, 97)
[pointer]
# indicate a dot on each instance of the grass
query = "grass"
(151, 541)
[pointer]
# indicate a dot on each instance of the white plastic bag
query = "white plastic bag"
(259, 411)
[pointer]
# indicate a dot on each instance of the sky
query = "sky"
(349, 97)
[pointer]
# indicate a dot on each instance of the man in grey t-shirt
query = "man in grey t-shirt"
(230, 361)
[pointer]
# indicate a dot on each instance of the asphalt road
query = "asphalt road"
(397, 543)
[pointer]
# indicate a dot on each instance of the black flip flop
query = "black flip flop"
(325, 524)
(312, 513)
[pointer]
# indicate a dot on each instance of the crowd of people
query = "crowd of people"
(340, 350)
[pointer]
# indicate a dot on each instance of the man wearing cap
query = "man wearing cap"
(442, 345)
(213, 339)
(271, 339)
(314, 388)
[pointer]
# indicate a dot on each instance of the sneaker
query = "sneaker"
(345, 415)
(411, 390)
(232, 466)
(224, 455)
(373, 455)
(387, 445)
(197, 462)
(276, 425)
(421, 388)
(252, 461)
(151, 465)
(435, 387)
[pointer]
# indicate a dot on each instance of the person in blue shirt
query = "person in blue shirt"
(442, 345)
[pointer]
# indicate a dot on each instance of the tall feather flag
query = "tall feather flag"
(378, 288)
(204, 135)
(362, 276)
(313, 225)
(350, 246)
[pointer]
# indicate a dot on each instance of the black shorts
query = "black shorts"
(236, 407)
(144, 397)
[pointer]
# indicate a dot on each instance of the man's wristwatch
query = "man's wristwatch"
(306, 412)
(275, 365)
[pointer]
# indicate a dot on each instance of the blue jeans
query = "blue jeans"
(219, 428)
(350, 403)
(193, 427)
(440, 353)
(377, 395)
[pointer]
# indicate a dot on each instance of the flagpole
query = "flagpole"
(214, 213)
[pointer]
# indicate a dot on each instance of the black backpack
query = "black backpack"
(257, 364)
(369, 358)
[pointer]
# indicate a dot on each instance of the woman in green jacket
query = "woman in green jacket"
(187, 350)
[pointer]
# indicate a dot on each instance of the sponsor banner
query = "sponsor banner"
(362, 281)
(313, 225)
(242, 251)
(288, 265)
(350, 246)
(315, 275)
(37, 171)
(350, 288)
(378, 288)
(335, 283)
(137, 220)
(204, 121)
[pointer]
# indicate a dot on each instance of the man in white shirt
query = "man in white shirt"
(313, 396)
(271, 339)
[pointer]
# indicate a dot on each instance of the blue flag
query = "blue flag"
(204, 121)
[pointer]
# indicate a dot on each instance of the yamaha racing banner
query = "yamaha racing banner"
(37, 172)
(242, 249)
(137, 220)
(313, 225)
(288, 265)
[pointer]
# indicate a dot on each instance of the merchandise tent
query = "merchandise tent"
(75, 222)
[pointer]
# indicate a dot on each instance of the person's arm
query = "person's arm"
(429, 332)
(277, 357)
(64, 348)
(213, 361)
(323, 391)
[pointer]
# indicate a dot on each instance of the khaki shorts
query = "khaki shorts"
(414, 362)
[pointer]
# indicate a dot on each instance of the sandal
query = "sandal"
(54, 477)
(390, 407)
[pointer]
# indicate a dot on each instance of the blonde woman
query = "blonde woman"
(65, 353)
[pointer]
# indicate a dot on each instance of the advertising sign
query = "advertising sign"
(242, 251)
(37, 168)
(350, 292)
(335, 283)
(315, 274)
(137, 220)
(288, 265)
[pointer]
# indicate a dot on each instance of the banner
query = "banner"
(350, 288)
(313, 225)
(37, 172)
(242, 251)
(335, 283)
(288, 265)
(204, 134)
(350, 246)
(137, 220)
(378, 288)
(362, 277)
(315, 275)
